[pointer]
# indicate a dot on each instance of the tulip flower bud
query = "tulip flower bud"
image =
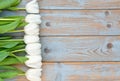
(33, 18)
(33, 49)
(33, 74)
(28, 39)
(32, 7)
(34, 61)
(32, 29)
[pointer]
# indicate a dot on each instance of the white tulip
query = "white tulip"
(28, 39)
(32, 7)
(33, 49)
(34, 62)
(32, 29)
(33, 74)
(33, 18)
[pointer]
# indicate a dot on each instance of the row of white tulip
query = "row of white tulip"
(32, 40)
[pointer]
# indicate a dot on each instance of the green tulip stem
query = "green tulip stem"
(20, 50)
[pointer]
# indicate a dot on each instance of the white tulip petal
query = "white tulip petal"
(33, 18)
(34, 61)
(32, 7)
(33, 49)
(34, 52)
(28, 39)
(32, 29)
(33, 74)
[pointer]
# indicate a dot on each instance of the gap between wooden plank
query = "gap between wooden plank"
(81, 62)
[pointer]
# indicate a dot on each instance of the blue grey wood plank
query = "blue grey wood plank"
(80, 22)
(80, 71)
(81, 48)
(79, 4)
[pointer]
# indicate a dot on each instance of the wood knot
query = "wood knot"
(109, 45)
(47, 23)
(107, 13)
(109, 25)
(46, 50)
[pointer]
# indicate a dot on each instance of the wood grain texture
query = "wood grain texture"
(79, 4)
(78, 17)
(80, 22)
(91, 71)
(81, 48)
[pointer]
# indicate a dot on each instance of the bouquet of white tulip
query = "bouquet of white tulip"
(31, 40)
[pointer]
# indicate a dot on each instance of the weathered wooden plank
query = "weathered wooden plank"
(79, 4)
(76, 4)
(81, 48)
(75, 22)
(84, 22)
(91, 71)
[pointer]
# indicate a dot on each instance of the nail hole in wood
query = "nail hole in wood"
(47, 23)
(46, 50)
(109, 45)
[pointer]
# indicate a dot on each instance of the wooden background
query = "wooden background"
(80, 40)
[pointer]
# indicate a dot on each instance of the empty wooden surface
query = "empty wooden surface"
(81, 48)
(79, 4)
(86, 71)
(74, 33)
(80, 22)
